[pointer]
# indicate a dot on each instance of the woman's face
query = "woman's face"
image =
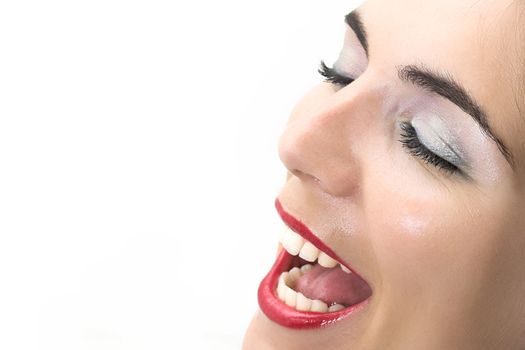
(398, 174)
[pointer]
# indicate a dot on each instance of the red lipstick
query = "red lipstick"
(283, 314)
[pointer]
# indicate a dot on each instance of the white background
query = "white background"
(139, 166)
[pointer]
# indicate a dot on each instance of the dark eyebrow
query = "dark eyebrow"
(446, 86)
(442, 84)
(353, 19)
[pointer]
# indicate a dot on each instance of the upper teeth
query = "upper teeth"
(309, 252)
(297, 245)
(292, 242)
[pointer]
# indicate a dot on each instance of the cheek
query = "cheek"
(434, 242)
(409, 238)
(419, 231)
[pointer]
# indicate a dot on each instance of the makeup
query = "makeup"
(433, 133)
(345, 283)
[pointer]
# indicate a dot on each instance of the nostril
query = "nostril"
(304, 176)
(297, 173)
(324, 163)
(337, 184)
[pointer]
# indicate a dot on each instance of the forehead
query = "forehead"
(476, 41)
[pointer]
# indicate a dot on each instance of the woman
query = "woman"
(404, 202)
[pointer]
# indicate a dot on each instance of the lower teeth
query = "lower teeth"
(298, 300)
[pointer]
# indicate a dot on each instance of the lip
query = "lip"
(281, 313)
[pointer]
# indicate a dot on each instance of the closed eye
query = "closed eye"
(411, 142)
(331, 76)
(409, 138)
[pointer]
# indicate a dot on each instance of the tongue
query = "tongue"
(332, 286)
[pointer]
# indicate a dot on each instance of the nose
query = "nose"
(323, 140)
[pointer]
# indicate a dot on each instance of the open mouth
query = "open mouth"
(308, 285)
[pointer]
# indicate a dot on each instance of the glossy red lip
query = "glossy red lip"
(281, 313)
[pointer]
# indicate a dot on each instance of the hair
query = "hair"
(517, 7)
(520, 36)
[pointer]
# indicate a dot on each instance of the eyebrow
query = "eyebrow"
(446, 86)
(441, 84)
(353, 19)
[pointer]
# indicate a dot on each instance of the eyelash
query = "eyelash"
(409, 138)
(331, 76)
(415, 147)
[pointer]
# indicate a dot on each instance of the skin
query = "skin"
(444, 254)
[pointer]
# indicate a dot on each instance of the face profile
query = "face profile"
(404, 196)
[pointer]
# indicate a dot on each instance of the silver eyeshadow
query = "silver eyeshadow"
(352, 59)
(350, 63)
(434, 135)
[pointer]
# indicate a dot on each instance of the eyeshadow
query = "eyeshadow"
(434, 134)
